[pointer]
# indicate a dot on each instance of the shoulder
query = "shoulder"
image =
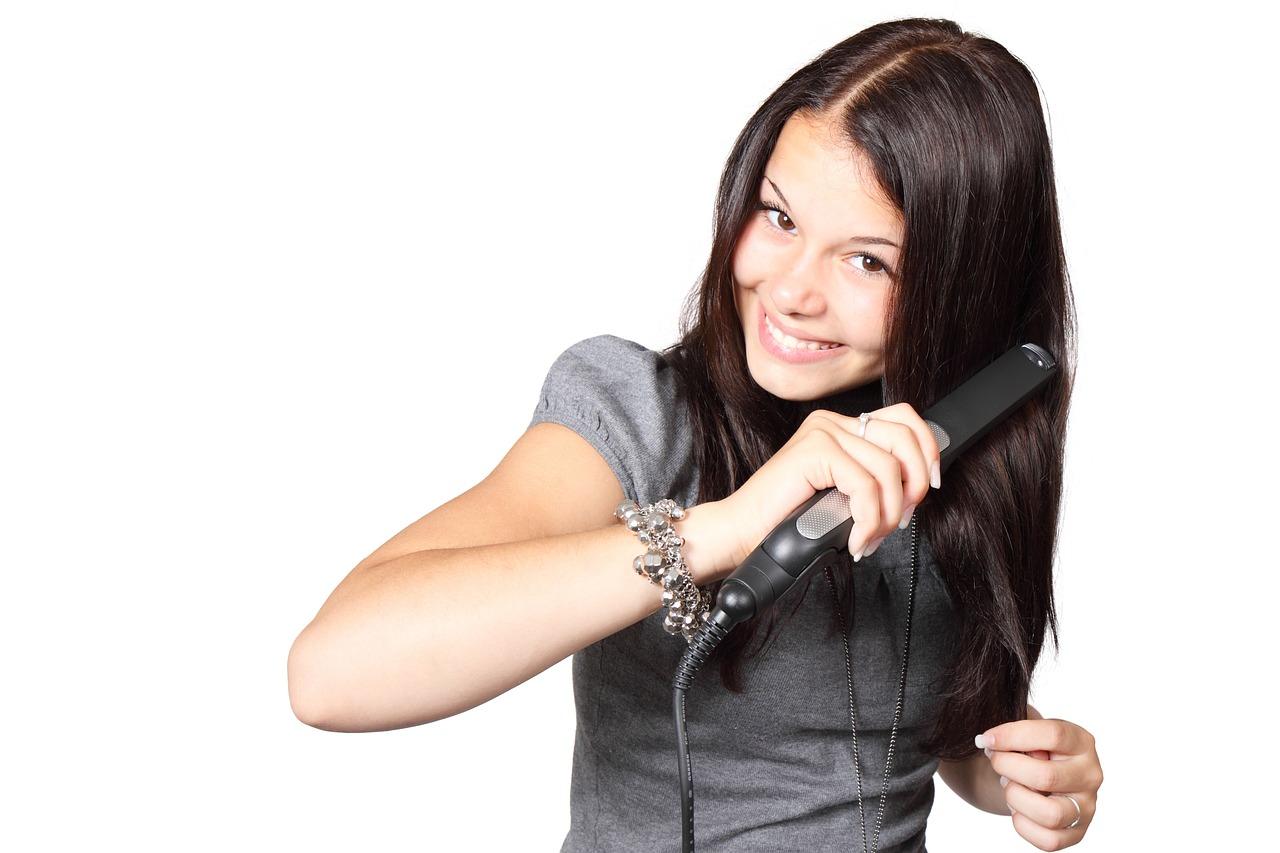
(609, 357)
(613, 374)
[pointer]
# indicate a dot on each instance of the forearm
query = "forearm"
(430, 634)
(978, 784)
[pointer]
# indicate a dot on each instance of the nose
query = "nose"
(800, 289)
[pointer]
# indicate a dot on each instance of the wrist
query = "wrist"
(709, 550)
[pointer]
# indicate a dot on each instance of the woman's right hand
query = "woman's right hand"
(885, 474)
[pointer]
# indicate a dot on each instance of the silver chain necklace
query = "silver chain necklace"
(897, 712)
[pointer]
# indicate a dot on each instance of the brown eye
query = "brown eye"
(877, 267)
(784, 222)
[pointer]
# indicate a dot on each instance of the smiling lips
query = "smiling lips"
(789, 348)
(792, 342)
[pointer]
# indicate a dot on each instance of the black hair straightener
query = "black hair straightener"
(818, 530)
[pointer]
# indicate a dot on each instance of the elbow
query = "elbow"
(307, 698)
(322, 697)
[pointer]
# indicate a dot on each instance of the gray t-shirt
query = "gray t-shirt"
(772, 767)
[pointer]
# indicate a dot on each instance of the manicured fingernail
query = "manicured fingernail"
(857, 556)
(987, 750)
(906, 517)
(871, 549)
(935, 476)
(1003, 781)
(983, 740)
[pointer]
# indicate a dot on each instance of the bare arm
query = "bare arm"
(434, 633)
(975, 782)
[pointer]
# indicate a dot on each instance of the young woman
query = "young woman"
(886, 226)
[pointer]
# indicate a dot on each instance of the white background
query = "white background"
(280, 278)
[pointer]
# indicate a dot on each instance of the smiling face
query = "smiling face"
(818, 266)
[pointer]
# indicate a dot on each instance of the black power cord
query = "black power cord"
(735, 603)
(700, 648)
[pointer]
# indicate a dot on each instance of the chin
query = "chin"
(779, 381)
(782, 385)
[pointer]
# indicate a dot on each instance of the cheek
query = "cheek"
(752, 257)
(862, 316)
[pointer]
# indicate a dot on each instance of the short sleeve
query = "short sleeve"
(626, 401)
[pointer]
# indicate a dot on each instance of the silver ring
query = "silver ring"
(1078, 812)
(863, 418)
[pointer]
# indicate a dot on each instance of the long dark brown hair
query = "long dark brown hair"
(953, 125)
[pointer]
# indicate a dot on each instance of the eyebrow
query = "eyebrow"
(879, 241)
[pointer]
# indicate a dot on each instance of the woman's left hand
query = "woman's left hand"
(1043, 761)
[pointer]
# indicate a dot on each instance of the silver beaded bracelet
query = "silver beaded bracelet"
(687, 605)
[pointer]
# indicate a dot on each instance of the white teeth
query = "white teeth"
(793, 343)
